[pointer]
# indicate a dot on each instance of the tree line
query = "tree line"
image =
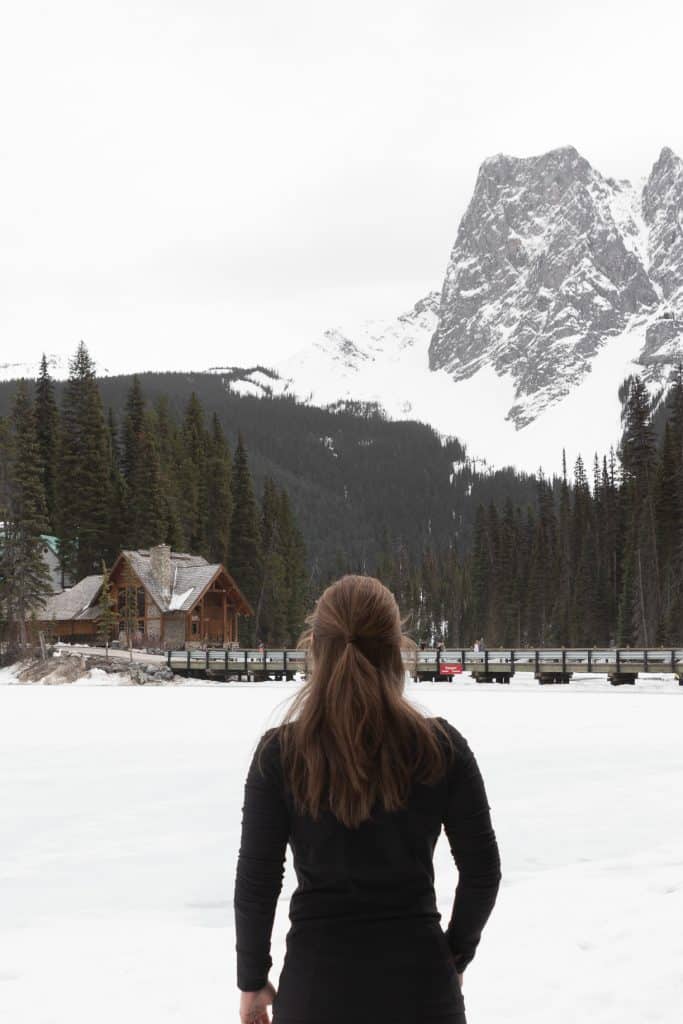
(73, 471)
(594, 562)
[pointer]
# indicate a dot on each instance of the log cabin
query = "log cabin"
(166, 599)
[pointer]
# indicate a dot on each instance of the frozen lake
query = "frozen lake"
(119, 827)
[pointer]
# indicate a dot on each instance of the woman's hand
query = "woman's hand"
(253, 1005)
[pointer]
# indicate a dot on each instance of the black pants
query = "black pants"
(364, 974)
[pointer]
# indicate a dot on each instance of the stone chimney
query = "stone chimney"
(160, 564)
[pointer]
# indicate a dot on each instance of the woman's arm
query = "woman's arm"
(260, 867)
(467, 823)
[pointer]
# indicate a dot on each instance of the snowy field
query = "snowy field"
(119, 825)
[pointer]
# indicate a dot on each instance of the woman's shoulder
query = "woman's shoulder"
(269, 741)
(446, 726)
(269, 746)
(450, 736)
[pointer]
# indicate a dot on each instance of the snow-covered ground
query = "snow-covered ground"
(120, 816)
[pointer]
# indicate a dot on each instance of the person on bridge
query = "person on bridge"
(359, 782)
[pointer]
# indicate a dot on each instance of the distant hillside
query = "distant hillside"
(355, 479)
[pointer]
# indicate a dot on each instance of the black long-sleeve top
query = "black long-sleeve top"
(381, 871)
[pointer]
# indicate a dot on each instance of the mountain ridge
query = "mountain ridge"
(557, 273)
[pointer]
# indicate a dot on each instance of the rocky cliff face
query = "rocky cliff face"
(663, 215)
(560, 284)
(550, 260)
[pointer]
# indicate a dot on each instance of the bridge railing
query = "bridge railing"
(446, 661)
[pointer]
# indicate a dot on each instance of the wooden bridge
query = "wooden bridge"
(548, 665)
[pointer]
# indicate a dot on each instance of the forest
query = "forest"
(597, 561)
(102, 485)
(289, 497)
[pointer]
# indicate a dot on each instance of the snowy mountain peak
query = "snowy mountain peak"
(561, 282)
(663, 214)
(548, 262)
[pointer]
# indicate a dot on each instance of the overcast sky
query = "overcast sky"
(192, 183)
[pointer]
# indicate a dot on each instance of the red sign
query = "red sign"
(452, 668)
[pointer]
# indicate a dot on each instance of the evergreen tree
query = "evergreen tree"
(245, 541)
(480, 574)
(108, 618)
(639, 604)
(25, 581)
(170, 458)
(117, 490)
(219, 496)
(146, 504)
(270, 623)
(193, 475)
(47, 418)
(562, 603)
(83, 483)
(132, 429)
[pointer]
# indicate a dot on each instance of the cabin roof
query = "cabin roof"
(74, 603)
(190, 576)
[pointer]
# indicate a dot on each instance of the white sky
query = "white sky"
(191, 183)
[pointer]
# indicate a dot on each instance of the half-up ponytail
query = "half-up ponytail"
(349, 738)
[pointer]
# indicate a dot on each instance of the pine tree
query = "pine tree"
(83, 484)
(146, 503)
(562, 603)
(131, 465)
(108, 615)
(245, 541)
(270, 623)
(193, 476)
(480, 574)
(132, 429)
(641, 590)
(170, 458)
(219, 497)
(117, 490)
(47, 418)
(127, 606)
(25, 581)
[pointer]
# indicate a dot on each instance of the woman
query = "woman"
(359, 783)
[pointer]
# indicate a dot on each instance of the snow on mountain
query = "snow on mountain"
(471, 410)
(28, 369)
(539, 276)
(561, 283)
(663, 214)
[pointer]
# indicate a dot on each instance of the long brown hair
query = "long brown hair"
(349, 737)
